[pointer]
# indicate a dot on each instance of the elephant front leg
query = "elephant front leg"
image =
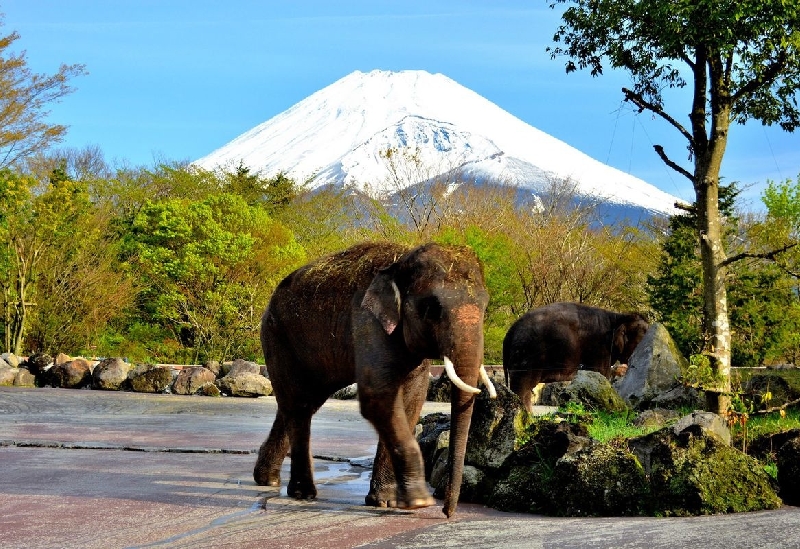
(403, 453)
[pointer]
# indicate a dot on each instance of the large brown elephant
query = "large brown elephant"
(374, 314)
(553, 342)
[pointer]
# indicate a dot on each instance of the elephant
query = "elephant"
(553, 342)
(375, 314)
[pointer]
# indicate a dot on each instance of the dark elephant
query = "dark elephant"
(374, 314)
(553, 342)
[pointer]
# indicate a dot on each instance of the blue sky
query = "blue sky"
(176, 79)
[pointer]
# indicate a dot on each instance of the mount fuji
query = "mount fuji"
(339, 135)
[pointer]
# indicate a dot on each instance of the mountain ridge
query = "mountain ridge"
(338, 135)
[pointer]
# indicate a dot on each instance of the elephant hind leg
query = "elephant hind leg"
(267, 471)
(301, 480)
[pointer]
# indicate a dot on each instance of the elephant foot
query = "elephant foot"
(417, 503)
(265, 477)
(387, 496)
(384, 497)
(301, 490)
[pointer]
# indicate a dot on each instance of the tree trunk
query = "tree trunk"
(717, 344)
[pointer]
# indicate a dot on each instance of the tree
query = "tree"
(207, 268)
(740, 59)
(24, 96)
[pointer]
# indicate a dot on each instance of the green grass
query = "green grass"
(610, 426)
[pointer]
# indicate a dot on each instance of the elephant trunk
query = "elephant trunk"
(461, 406)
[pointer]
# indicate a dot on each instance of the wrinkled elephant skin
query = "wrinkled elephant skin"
(373, 314)
(553, 342)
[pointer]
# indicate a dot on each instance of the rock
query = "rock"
(439, 389)
(239, 366)
(766, 447)
(600, 480)
(11, 359)
(72, 374)
(589, 388)
(496, 426)
(657, 417)
(346, 393)
(111, 374)
(4, 364)
(709, 423)
(694, 473)
(781, 367)
(24, 378)
(150, 378)
(191, 379)
(778, 389)
(653, 369)
(38, 364)
(7, 375)
(210, 390)
(60, 359)
(526, 483)
(214, 366)
(433, 436)
(788, 462)
(245, 384)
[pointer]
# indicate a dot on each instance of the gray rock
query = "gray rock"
(12, 359)
(192, 379)
(150, 378)
(238, 366)
(72, 374)
(214, 366)
(589, 388)
(24, 378)
(653, 369)
(708, 422)
(761, 386)
(346, 393)
(245, 384)
(111, 374)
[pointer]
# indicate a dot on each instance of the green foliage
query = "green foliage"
(495, 252)
(207, 268)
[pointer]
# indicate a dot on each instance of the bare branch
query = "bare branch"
(643, 105)
(660, 151)
(768, 255)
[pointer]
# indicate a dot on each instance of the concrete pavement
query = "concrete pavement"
(106, 469)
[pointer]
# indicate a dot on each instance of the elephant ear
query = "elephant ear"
(620, 338)
(382, 299)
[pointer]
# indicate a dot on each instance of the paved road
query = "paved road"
(96, 469)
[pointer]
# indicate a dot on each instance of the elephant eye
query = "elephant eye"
(430, 308)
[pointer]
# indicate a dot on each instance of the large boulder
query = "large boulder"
(589, 388)
(71, 374)
(150, 378)
(245, 383)
(654, 372)
(111, 374)
(11, 359)
(691, 471)
(15, 377)
(192, 379)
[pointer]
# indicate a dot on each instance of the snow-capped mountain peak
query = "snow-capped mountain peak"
(340, 135)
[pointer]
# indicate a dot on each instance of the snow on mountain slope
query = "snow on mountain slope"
(337, 134)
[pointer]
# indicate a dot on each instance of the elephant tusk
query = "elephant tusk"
(488, 382)
(457, 381)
